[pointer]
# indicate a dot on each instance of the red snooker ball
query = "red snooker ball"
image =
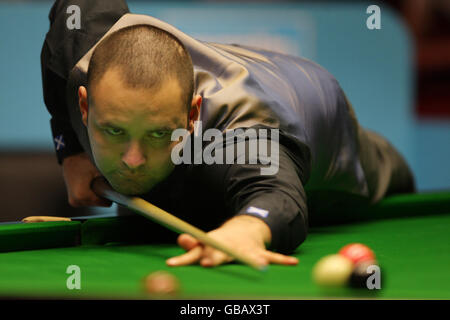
(357, 252)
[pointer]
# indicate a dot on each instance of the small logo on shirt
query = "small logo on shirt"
(260, 212)
(59, 142)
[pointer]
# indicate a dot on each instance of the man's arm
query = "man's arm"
(279, 200)
(62, 49)
(54, 86)
(269, 213)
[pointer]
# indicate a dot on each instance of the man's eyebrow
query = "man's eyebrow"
(163, 128)
(107, 124)
(155, 127)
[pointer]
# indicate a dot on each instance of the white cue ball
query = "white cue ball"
(332, 271)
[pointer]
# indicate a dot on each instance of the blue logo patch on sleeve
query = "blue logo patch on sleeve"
(260, 212)
(59, 142)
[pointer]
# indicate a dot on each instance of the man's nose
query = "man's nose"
(133, 157)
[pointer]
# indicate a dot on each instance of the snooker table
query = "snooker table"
(410, 235)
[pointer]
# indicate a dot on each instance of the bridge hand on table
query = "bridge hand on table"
(247, 234)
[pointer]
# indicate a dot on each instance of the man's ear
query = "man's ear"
(194, 113)
(83, 103)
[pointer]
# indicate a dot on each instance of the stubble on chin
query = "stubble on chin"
(131, 189)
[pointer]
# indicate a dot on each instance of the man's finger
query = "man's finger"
(278, 258)
(187, 242)
(187, 258)
(212, 257)
(100, 202)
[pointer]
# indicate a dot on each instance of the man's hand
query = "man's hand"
(78, 172)
(249, 235)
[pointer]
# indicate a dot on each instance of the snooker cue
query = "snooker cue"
(103, 189)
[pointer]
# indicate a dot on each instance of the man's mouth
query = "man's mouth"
(130, 176)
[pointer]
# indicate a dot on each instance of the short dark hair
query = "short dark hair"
(146, 56)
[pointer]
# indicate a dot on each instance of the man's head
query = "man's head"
(140, 88)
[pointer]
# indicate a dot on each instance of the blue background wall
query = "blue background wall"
(374, 67)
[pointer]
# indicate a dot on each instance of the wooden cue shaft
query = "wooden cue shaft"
(148, 210)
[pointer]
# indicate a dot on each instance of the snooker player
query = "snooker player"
(118, 87)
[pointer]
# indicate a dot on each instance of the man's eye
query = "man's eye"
(114, 131)
(158, 134)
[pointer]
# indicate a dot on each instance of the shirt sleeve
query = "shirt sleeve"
(54, 89)
(278, 199)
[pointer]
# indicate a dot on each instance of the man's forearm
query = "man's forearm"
(251, 225)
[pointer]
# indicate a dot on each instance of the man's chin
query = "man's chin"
(130, 190)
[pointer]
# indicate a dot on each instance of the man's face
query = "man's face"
(130, 131)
